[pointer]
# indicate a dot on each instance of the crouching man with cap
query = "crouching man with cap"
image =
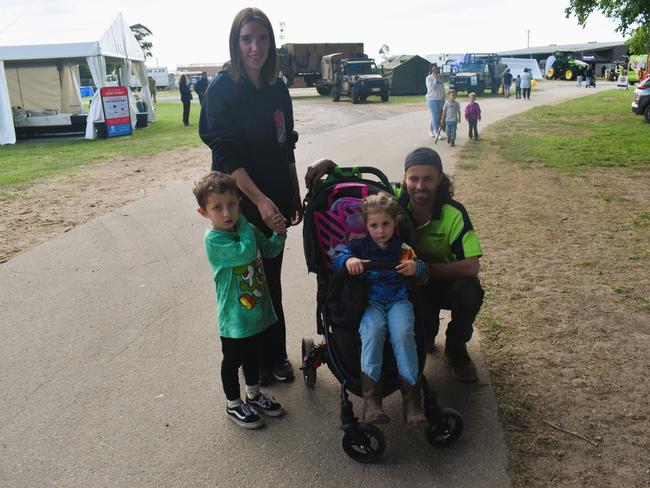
(447, 243)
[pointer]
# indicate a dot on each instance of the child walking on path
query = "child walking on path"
(451, 117)
(518, 86)
(235, 249)
(388, 311)
(472, 116)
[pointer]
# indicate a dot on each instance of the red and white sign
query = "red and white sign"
(115, 101)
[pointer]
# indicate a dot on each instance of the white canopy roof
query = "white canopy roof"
(56, 37)
(63, 41)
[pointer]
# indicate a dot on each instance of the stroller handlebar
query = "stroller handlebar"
(360, 170)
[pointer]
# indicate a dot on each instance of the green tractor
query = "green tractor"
(564, 66)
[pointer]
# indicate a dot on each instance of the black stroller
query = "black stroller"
(331, 218)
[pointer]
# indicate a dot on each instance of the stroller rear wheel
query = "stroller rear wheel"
(446, 430)
(308, 371)
(365, 443)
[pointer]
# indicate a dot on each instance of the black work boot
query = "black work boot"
(462, 367)
(372, 413)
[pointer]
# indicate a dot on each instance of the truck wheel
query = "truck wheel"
(323, 90)
(353, 95)
(384, 97)
(334, 93)
(646, 114)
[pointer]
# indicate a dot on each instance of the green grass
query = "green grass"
(597, 130)
(29, 160)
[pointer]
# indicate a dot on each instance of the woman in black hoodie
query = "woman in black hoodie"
(247, 121)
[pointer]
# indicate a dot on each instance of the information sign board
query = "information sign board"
(115, 102)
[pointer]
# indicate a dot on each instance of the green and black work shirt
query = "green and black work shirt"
(448, 236)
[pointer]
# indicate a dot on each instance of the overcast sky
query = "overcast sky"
(196, 31)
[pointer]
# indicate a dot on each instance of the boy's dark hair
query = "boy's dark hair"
(382, 202)
(213, 182)
(270, 68)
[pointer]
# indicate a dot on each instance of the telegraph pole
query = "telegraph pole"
(527, 38)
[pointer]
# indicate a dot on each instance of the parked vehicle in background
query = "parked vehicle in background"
(476, 73)
(160, 76)
(564, 66)
(352, 75)
(641, 101)
(304, 60)
(637, 67)
(111, 80)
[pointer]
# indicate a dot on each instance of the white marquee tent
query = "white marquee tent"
(39, 56)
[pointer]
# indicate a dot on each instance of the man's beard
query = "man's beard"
(420, 197)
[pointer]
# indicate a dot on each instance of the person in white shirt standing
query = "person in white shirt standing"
(435, 97)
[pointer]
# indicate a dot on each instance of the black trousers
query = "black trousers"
(518, 92)
(186, 112)
(526, 93)
(273, 341)
(236, 353)
(473, 128)
(463, 296)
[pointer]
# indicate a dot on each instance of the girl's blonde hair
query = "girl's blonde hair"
(382, 202)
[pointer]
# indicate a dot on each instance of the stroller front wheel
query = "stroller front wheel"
(365, 443)
(447, 430)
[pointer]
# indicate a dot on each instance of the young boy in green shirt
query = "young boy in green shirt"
(235, 249)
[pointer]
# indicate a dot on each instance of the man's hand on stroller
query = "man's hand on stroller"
(316, 171)
(355, 266)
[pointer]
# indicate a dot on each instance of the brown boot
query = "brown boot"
(412, 400)
(372, 396)
(462, 367)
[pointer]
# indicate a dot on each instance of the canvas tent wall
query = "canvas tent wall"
(52, 42)
(407, 74)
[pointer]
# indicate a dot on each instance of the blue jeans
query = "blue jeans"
(435, 107)
(451, 131)
(396, 319)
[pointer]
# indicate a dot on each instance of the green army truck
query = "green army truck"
(352, 75)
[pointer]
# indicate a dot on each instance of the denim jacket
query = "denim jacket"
(385, 285)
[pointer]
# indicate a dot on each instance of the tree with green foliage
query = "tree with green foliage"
(141, 32)
(633, 18)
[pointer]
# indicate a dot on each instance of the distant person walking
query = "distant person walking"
(603, 68)
(579, 81)
(526, 83)
(518, 87)
(472, 116)
(201, 85)
(186, 98)
(506, 79)
(451, 117)
(152, 88)
(435, 98)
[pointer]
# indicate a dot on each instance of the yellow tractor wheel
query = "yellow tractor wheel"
(568, 74)
(550, 73)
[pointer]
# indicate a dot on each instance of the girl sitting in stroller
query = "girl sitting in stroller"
(389, 309)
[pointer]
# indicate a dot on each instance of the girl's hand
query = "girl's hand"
(407, 268)
(355, 266)
(271, 215)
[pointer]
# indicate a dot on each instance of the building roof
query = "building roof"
(551, 48)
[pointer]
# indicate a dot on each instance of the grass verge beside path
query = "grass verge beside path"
(29, 160)
(560, 197)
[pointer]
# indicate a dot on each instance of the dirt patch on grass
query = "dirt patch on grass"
(57, 204)
(566, 322)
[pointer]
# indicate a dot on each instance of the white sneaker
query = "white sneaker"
(431, 134)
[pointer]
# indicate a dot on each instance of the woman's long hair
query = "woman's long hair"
(182, 80)
(270, 68)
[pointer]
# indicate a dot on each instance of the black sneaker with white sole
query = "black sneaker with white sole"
(245, 416)
(283, 372)
(265, 404)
